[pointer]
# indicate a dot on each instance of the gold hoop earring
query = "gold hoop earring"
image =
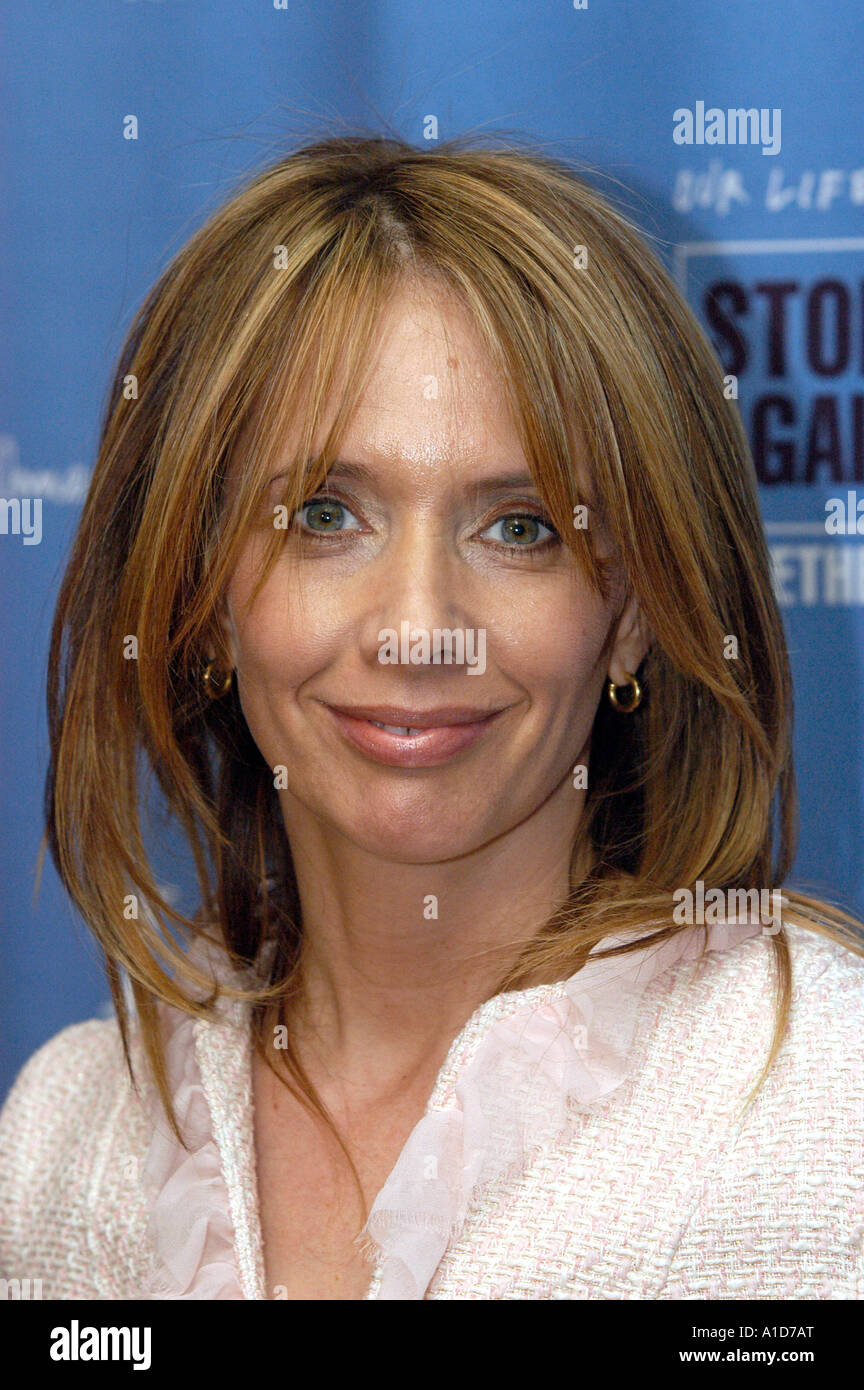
(636, 698)
(214, 689)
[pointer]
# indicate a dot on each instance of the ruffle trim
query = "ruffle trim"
(532, 1073)
(190, 1227)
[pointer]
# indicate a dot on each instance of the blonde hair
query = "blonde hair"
(275, 301)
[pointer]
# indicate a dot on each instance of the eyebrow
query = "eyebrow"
(485, 487)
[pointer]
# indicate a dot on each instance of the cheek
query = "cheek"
(276, 653)
(556, 642)
(284, 638)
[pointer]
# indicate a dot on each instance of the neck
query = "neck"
(397, 956)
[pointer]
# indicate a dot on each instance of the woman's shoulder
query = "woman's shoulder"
(827, 978)
(61, 1099)
(718, 1015)
(719, 1018)
(81, 1062)
(777, 1206)
(71, 1126)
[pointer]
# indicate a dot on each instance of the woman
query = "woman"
(423, 562)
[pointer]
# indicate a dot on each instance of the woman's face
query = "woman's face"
(431, 523)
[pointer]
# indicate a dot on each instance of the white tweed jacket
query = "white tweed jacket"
(663, 1190)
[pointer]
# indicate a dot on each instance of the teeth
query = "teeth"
(393, 728)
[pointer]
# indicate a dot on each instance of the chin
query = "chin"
(406, 842)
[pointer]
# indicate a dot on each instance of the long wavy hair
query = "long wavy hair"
(266, 316)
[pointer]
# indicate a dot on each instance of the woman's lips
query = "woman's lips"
(425, 745)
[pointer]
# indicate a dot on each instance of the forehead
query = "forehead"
(433, 403)
(434, 412)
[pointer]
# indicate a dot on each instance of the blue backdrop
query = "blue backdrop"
(760, 220)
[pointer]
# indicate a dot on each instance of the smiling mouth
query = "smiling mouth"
(400, 737)
(398, 718)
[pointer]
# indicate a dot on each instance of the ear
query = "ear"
(631, 643)
(222, 645)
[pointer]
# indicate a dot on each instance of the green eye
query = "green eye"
(520, 530)
(325, 516)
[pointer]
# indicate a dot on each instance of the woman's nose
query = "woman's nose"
(418, 587)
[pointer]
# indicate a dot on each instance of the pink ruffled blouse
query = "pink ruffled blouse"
(543, 1055)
